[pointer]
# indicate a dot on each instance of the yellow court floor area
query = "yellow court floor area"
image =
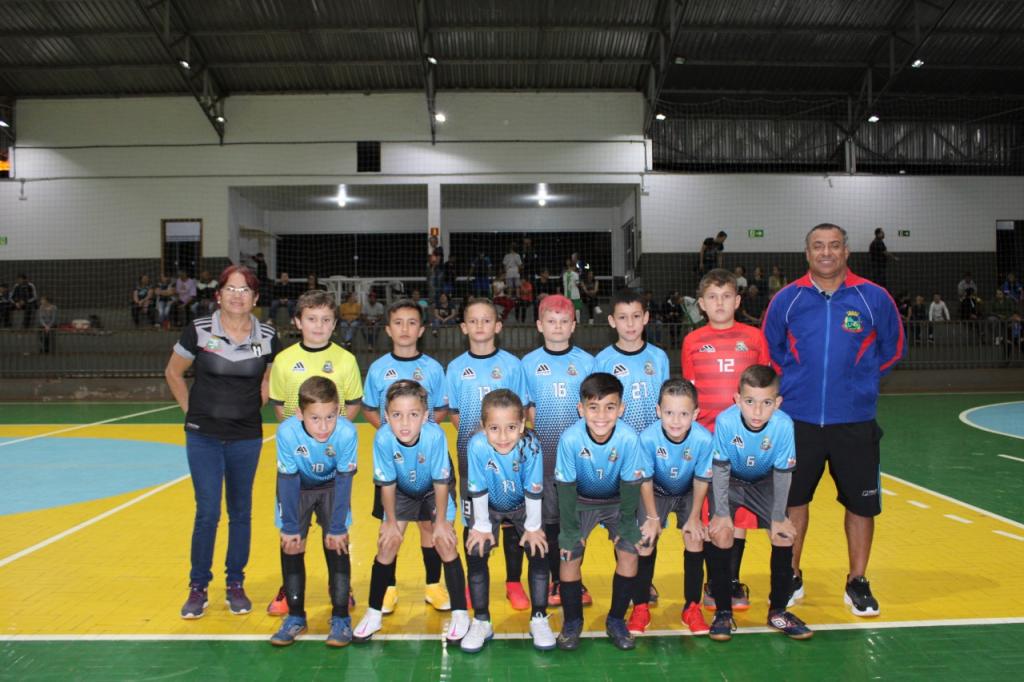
(126, 572)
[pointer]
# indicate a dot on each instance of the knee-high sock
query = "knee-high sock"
(644, 578)
(381, 575)
(479, 585)
(455, 578)
(782, 577)
(513, 555)
(572, 600)
(718, 575)
(622, 590)
(538, 572)
(339, 578)
(693, 576)
(736, 557)
(554, 560)
(431, 565)
(293, 571)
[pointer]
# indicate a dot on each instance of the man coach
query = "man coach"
(833, 335)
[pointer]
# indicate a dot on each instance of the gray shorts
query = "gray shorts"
(515, 518)
(415, 509)
(757, 497)
(549, 502)
(589, 518)
(681, 505)
(313, 500)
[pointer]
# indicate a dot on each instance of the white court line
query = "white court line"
(820, 627)
(965, 505)
(965, 418)
(85, 426)
(1015, 459)
(919, 505)
(96, 519)
(958, 519)
(886, 491)
(1008, 535)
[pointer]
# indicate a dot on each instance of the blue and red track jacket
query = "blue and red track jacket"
(832, 350)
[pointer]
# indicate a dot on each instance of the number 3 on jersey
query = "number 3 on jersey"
(726, 365)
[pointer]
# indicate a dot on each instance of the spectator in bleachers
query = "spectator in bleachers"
(23, 298)
(206, 287)
(185, 294)
(502, 300)
(5, 305)
(966, 283)
(435, 277)
(512, 263)
(758, 279)
(531, 260)
(571, 285)
(937, 312)
(164, 300)
(1014, 337)
(1011, 288)
(1002, 307)
(524, 299)
(143, 301)
(373, 315)
(313, 284)
(711, 252)
(444, 314)
(741, 278)
(654, 321)
(480, 272)
(672, 315)
(589, 290)
(917, 316)
(970, 306)
(47, 325)
(451, 277)
(349, 314)
(263, 275)
(422, 302)
(545, 286)
(776, 281)
(498, 286)
(752, 306)
(435, 249)
(284, 294)
(879, 257)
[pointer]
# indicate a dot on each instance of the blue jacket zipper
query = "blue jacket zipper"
(824, 362)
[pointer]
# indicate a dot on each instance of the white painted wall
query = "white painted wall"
(942, 213)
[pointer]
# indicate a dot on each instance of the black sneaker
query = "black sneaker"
(619, 634)
(236, 599)
(569, 637)
(789, 625)
(195, 605)
(722, 627)
(798, 590)
(740, 596)
(859, 598)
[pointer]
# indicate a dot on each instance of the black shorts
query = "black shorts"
(854, 461)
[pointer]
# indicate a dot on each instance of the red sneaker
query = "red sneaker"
(639, 619)
(554, 597)
(279, 605)
(516, 596)
(693, 618)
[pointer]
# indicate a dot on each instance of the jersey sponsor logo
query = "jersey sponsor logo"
(740, 346)
(661, 452)
(737, 440)
(585, 453)
(766, 443)
(649, 368)
(492, 466)
(468, 374)
(302, 451)
(329, 450)
(706, 348)
(328, 367)
(687, 456)
(543, 370)
(390, 374)
(851, 322)
(417, 374)
(496, 373)
(614, 456)
(398, 458)
(298, 367)
(620, 370)
(571, 370)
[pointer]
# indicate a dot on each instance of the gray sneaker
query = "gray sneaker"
(195, 605)
(236, 599)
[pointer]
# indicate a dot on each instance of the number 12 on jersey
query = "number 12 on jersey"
(726, 365)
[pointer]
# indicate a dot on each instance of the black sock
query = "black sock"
(513, 555)
(479, 579)
(718, 576)
(431, 565)
(537, 570)
(339, 578)
(782, 577)
(293, 570)
(572, 600)
(554, 559)
(644, 578)
(380, 576)
(622, 590)
(455, 578)
(693, 576)
(736, 557)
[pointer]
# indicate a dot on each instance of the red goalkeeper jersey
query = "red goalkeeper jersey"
(713, 360)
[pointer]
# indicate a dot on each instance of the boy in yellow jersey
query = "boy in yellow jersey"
(314, 355)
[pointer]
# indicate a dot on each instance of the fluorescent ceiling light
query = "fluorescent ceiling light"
(440, 118)
(342, 197)
(183, 63)
(432, 60)
(917, 63)
(4, 124)
(542, 202)
(873, 118)
(660, 117)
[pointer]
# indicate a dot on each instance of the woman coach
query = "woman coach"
(232, 353)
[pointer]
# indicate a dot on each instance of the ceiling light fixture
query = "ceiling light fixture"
(4, 124)
(342, 197)
(873, 118)
(660, 117)
(680, 60)
(917, 63)
(183, 63)
(542, 194)
(220, 119)
(432, 60)
(542, 202)
(440, 118)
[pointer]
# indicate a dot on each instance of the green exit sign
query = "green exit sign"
(903, 233)
(755, 234)
(3, 241)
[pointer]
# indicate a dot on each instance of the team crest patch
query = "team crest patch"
(614, 456)
(661, 453)
(330, 451)
(445, 473)
(851, 322)
(536, 487)
(496, 373)
(706, 348)
(391, 373)
(737, 440)
(620, 370)
(492, 466)
(468, 373)
(571, 370)
(302, 451)
(328, 367)
(790, 462)
(639, 473)
(687, 456)
(213, 344)
(766, 444)
(543, 370)
(417, 374)
(378, 474)
(298, 367)
(398, 458)
(649, 368)
(421, 458)
(585, 453)
(740, 346)
(515, 466)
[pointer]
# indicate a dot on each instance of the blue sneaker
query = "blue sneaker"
(789, 625)
(618, 632)
(292, 627)
(341, 632)
(237, 600)
(722, 627)
(195, 606)
(569, 637)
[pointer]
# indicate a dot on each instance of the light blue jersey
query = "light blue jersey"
(642, 373)
(753, 454)
(597, 468)
(316, 463)
(507, 480)
(553, 379)
(387, 369)
(413, 468)
(675, 465)
(468, 379)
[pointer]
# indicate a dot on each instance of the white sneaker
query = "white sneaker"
(370, 624)
(540, 630)
(458, 626)
(479, 632)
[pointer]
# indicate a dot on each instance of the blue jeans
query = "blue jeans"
(231, 464)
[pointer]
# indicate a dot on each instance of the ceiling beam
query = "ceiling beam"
(664, 49)
(425, 45)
